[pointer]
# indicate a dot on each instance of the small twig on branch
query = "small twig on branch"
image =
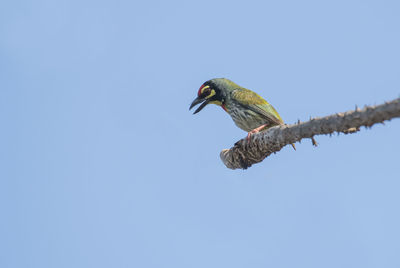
(244, 154)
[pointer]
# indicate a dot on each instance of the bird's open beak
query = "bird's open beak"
(197, 101)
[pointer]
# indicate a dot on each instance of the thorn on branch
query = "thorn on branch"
(314, 142)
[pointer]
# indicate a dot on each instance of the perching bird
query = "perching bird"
(248, 110)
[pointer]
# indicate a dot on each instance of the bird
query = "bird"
(249, 111)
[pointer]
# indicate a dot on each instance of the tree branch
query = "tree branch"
(244, 154)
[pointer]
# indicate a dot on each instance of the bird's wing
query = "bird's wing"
(257, 104)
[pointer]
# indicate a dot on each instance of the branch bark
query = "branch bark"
(244, 154)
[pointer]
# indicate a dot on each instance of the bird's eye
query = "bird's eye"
(206, 91)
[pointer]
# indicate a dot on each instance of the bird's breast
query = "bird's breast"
(245, 119)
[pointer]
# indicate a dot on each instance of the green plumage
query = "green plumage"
(255, 102)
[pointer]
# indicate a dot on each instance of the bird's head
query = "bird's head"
(213, 91)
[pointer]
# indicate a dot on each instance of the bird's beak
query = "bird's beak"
(197, 101)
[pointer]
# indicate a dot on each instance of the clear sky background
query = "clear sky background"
(102, 164)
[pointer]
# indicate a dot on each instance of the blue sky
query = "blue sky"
(102, 164)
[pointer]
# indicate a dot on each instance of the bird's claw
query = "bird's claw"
(248, 137)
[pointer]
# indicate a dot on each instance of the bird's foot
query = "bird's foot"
(256, 130)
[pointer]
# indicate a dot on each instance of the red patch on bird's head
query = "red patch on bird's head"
(199, 92)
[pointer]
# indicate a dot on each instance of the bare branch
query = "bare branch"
(244, 154)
